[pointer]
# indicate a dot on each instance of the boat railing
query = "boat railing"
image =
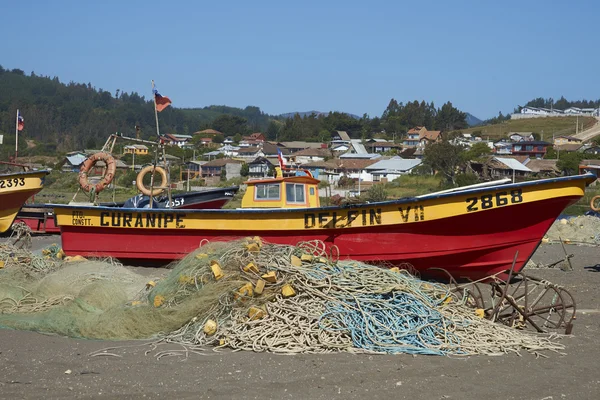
(475, 186)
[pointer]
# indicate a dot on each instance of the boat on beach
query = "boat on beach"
(40, 217)
(471, 233)
(15, 189)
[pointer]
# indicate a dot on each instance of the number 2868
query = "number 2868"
(486, 201)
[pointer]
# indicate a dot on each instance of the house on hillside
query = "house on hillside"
(390, 169)
(216, 167)
(426, 138)
(181, 141)
(591, 166)
(207, 132)
(531, 148)
(332, 170)
(521, 136)
(339, 137)
(561, 140)
(309, 155)
(493, 167)
(250, 153)
(255, 139)
(543, 168)
(261, 167)
(569, 147)
(191, 170)
(73, 160)
(297, 145)
(137, 149)
(413, 136)
(382, 146)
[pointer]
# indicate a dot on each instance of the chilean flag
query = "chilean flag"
(20, 121)
(280, 158)
(161, 102)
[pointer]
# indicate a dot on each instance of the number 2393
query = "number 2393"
(8, 183)
(494, 200)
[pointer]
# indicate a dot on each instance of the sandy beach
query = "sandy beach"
(34, 365)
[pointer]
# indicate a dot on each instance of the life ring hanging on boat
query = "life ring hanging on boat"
(139, 182)
(111, 167)
(593, 203)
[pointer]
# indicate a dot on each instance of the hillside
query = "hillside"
(473, 120)
(545, 127)
(317, 113)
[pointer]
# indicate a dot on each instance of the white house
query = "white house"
(390, 169)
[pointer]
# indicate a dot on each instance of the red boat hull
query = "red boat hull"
(38, 225)
(465, 245)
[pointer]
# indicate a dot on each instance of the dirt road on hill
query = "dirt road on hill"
(39, 366)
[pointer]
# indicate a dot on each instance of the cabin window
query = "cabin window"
(267, 192)
(294, 193)
(312, 191)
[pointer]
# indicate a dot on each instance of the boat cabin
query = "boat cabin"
(282, 192)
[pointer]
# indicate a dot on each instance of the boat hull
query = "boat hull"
(15, 189)
(40, 217)
(428, 233)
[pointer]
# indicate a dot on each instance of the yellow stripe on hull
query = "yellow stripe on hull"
(359, 216)
(15, 189)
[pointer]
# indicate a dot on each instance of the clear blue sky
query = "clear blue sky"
(284, 56)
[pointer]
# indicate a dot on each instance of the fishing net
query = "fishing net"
(250, 295)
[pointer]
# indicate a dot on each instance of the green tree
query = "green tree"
(245, 170)
(477, 151)
(444, 158)
(569, 163)
(218, 138)
(237, 138)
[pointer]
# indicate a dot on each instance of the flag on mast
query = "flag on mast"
(280, 158)
(20, 121)
(161, 102)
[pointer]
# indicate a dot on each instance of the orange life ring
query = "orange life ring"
(139, 182)
(592, 203)
(111, 168)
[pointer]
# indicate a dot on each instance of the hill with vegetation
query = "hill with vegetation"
(62, 117)
(543, 128)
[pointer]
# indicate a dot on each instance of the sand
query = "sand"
(33, 365)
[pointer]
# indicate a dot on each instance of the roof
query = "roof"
(219, 162)
(301, 145)
(262, 160)
(343, 135)
(197, 162)
(511, 163)
(538, 165)
(355, 163)
(352, 156)
(358, 146)
(312, 152)
(521, 159)
(531, 142)
(568, 147)
(416, 129)
(249, 150)
(137, 146)
(395, 164)
(430, 135)
(569, 137)
(207, 132)
(340, 164)
(76, 159)
(383, 144)
(520, 133)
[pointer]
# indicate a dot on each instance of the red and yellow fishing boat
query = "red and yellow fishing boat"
(473, 232)
(15, 189)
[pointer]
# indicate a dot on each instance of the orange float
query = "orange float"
(157, 189)
(111, 168)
